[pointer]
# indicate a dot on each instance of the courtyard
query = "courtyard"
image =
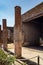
(30, 53)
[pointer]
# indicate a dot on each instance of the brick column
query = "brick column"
(18, 16)
(4, 34)
(0, 37)
(18, 32)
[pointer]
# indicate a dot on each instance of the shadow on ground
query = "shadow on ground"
(27, 61)
(9, 52)
(35, 47)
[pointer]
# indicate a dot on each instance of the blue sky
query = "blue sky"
(7, 9)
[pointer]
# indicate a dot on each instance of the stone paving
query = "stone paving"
(29, 53)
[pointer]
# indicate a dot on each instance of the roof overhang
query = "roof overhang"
(34, 17)
(34, 13)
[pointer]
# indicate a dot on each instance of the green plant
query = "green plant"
(11, 59)
(2, 54)
(6, 59)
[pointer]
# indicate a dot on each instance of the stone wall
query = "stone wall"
(31, 34)
(10, 34)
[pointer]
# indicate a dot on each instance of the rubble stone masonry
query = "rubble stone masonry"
(4, 34)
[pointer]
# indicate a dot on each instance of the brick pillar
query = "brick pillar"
(18, 16)
(4, 34)
(0, 37)
(18, 32)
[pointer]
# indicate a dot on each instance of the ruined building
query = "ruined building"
(32, 26)
(10, 34)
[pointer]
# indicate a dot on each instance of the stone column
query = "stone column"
(18, 32)
(0, 37)
(4, 34)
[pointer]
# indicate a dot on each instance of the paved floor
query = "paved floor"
(30, 53)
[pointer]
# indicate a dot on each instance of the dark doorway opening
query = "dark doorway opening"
(33, 32)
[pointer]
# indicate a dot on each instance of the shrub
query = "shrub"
(6, 59)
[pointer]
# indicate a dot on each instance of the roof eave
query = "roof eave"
(34, 17)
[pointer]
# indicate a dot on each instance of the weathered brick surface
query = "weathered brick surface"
(17, 16)
(0, 37)
(4, 34)
(18, 32)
